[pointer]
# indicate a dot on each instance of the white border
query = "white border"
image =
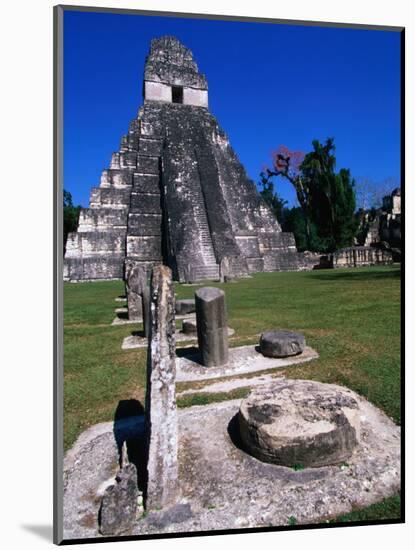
(26, 230)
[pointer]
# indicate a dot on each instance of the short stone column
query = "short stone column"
(212, 326)
(161, 412)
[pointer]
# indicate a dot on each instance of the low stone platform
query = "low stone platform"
(225, 487)
(242, 360)
(122, 318)
(135, 341)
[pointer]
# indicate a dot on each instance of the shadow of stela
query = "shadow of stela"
(138, 333)
(44, 532)
(123, 315)
(190, 353)
(136, 446)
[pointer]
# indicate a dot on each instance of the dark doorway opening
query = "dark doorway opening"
(177, 94)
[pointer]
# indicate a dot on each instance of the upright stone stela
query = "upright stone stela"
(161, 412)
(175, 193)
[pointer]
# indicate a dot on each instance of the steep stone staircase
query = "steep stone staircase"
(205, 265)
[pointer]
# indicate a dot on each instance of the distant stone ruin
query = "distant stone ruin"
(175, 192)
(360, 256)
(383, 226)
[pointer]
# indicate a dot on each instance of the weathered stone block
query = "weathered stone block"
(161, 412)
(109, 196)
(281, 343)
(146, 183)
(300, 423)
(146, 203)
(119, 503)
(212, 326)
(99, 267)
(249, 246)
(151, 147)
(128, 159)
(144, 224)
(185, 306)
(156, 91)
(144, 248)
(106, 219)
(195, 97)
(189, 327)
(117, 178)
(147, 165)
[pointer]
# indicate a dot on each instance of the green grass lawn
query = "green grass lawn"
(350, 316)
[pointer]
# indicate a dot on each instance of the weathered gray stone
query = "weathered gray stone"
(189, 327)
(146, 311)
(299, 422)
(119, 503)
(183, 307)
(161, 412)
(135, 283)
(224, 269)
(212, 326)
(281, 343)
(360, 256)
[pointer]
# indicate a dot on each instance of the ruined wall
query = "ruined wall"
(360, 256)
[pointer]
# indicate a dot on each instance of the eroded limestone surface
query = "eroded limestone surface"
(281, 343)
(300, 422)
(229, 489)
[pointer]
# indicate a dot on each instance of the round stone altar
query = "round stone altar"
(281, 343)
(300, 423)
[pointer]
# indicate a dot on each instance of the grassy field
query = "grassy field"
(351, 317)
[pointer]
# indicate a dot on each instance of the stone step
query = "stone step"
(206, 272)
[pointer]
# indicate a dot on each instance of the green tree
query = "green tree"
(70, 216)
(276, 203)
(332, 201)
(326, 198)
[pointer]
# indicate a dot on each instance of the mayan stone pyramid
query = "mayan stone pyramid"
(175, 192)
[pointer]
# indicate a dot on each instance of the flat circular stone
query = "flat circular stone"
(281, 343)
(189, 327)
(300, 423)
(183, 307)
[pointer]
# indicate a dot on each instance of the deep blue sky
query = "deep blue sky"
(269, 84)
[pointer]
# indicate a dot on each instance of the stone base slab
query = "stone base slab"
(126, 321)
(137, 341)
(242, 360)
(225, 487)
